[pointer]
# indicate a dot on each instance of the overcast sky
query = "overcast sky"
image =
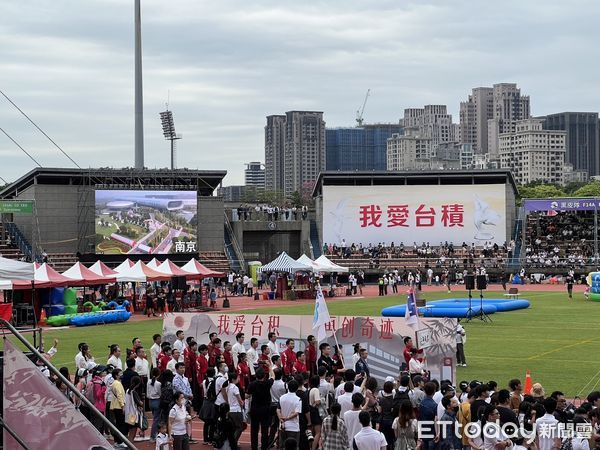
(228, 64)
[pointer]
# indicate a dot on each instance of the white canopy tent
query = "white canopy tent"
(285, 263)
(315, 266)
(330, 266)
(11, 269)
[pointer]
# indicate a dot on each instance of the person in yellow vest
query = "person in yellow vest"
(381, 284)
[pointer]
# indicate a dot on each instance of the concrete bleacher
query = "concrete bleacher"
(215, 261)
(61, 261)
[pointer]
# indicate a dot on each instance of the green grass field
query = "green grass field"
(556, 339)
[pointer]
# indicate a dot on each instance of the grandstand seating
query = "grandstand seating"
(61, 261)
(559, 240)
(8, 250)
(215, 261)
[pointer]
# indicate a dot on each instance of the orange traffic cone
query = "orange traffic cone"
(42, 321)
(528, 382)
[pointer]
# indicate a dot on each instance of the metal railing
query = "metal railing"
(114, 430)
(234, 244)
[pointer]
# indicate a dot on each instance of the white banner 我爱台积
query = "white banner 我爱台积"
(381, 336)
(406, 213)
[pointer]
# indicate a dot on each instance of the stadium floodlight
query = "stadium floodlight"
(168, 126)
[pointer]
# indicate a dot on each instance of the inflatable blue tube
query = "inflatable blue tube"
(459, 307)
(81, 320)
(501, 304)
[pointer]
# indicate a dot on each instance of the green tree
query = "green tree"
(296, 199)
(534, 190)
(571, 188)
(589, 190)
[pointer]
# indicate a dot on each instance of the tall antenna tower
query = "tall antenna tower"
(168, 126)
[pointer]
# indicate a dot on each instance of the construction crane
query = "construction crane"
(359, 113)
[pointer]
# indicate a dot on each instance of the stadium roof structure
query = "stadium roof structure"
(203, 181)
(433, 177)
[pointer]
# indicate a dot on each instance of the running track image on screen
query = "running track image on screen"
(144, 222)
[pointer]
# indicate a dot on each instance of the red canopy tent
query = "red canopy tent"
(83, 276)
(199, 270)
(45, 277)
(169, 266)
(99, 268)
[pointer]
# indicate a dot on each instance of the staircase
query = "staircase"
(216, 261)
(232, 249)
(515, 261)
(61, 261)
(314, 239)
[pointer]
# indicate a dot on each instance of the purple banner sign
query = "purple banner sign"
(562, 204)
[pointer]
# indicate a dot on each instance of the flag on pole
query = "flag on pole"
(411, 316)
(321, 316)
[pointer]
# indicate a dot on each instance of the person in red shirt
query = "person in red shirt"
(311, 355)
(243, 372)
(215, 356)
(190, 354)
(300, 364)
(201, 363)
(211, 337)
(228, 356)
(264, 359)
(288, 358)
(408, 345)
(164, 357)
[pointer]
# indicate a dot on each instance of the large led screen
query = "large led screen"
(144, 222)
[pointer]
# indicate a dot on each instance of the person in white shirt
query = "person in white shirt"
(221, 379)
(278, 387)
(460, 349)
(180, 343)
(546, 427)
(236, 405)
(349, 375)
(238, 348)
(84, 359)
(353, 425)
(178, 421)
(345, 400)
(368, 438)
(491, 440)
(114, 358)
(176, 357)
(155, 349)
(288, 412)
(163, 440)
(141, 363)
(153, 394)
(252, 355)
(416, 367)
(273, 344)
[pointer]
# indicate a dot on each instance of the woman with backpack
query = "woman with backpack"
(96, 393)
(405, 428)
(208, 411)
(153, 391)
(134, 408)
(386, 405)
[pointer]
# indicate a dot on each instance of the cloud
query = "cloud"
(226, 65)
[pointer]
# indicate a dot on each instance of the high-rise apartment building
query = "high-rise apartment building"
(532, 153)
(294, 150)
(474, 116)
(275, 133)
(410, 151)
(431, 122)
(489, 112)
(583, 139)
(254, 174)
(359, 148)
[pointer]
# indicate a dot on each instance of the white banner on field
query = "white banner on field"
(430, 213)
(381, 336)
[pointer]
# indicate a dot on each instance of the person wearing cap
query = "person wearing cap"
(464, 390)
(99, 387)
(460, 345)
(447, 391)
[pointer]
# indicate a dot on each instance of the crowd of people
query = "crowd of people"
(271, 213)
(563, 240)
(443, 256)
(312, 399)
